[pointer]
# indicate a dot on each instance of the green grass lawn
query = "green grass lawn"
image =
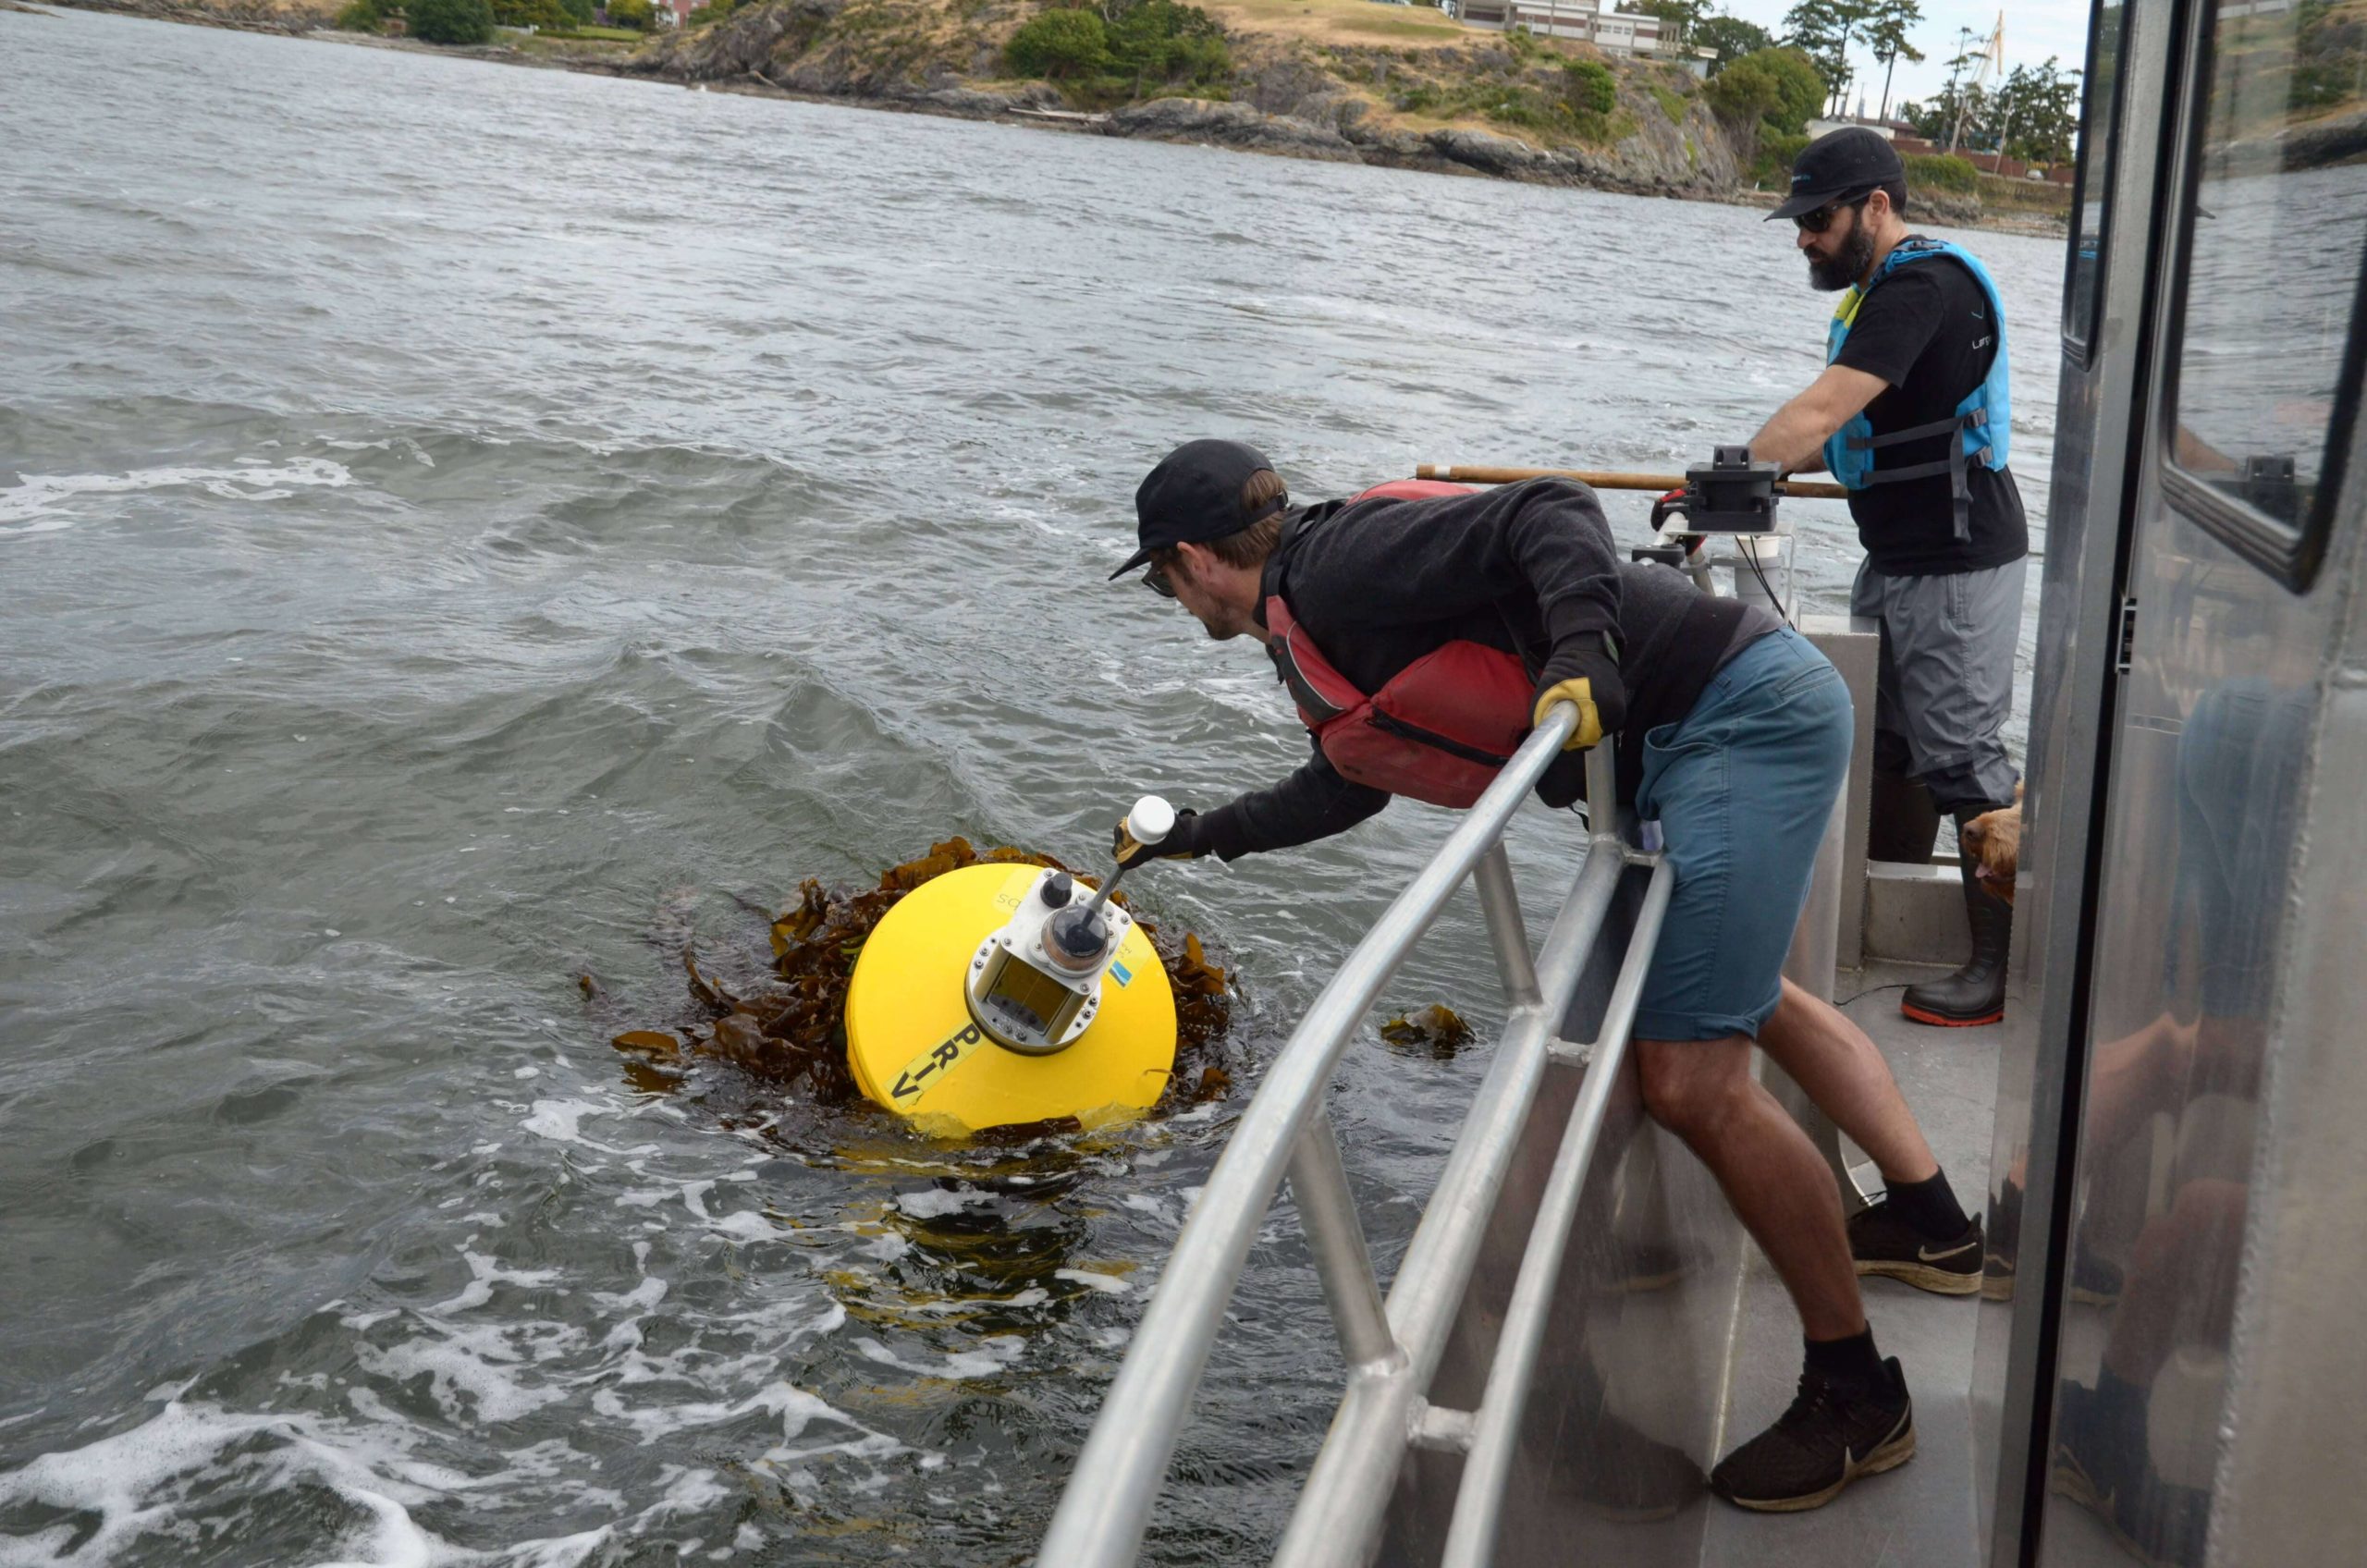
(1343, 20)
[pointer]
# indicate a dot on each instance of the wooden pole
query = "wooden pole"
(1467, 473)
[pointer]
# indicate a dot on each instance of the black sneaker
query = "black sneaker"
(1833, 1433)
(1884, 1243)
(2094, 1280)
(2100, 1462)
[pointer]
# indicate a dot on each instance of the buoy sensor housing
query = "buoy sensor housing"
(994, 996)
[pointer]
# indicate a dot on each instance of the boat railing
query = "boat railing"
(1394, 1348)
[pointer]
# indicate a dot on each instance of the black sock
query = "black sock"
(2114, 1418)
(2119, 1400)
(1853, 1360)
(1930, 1207)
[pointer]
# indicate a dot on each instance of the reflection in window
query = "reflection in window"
(2098, 138)
(2275, 245)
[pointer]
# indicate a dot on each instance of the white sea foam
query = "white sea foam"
(43, 503)
(561, 1121)
(798, 1411)
(165, 1481)
(749, 1225)
(1109, 1283)
(640, 1298)
(935, 1203)
(487, 1364)
(488, 1272)
(993, 1354)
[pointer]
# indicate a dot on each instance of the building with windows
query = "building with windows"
(1579, 21)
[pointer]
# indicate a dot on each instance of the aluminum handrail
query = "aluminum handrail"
(1495, 1434)
(1340, 1507)
(1108, 1504)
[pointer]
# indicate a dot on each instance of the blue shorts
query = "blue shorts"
(1743, 787)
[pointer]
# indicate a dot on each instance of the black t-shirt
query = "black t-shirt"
(1925, 330)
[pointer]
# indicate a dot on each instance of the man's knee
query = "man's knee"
(1689, 1086)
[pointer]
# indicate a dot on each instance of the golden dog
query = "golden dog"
(1996, 838)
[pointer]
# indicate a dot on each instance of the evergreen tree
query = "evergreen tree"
(1732, 37)
(1886, 36)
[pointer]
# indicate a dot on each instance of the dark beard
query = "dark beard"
(1855, 257)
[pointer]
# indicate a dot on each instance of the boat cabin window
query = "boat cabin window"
(2266, 358)
(2092, 193)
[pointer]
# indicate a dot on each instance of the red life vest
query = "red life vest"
(1439, 731)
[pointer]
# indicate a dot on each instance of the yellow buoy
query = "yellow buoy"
(915, 1043)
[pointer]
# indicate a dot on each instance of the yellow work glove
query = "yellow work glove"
(1580, 691)
(1182, 842)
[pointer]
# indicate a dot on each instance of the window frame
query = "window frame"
(2291, 553)
(2079, 347)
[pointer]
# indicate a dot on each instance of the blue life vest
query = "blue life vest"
(1982, 420)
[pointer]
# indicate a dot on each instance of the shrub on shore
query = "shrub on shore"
(1590, 87)
(362, 15)
(1774, 89)
(1942, 171)
(1152, 43)
(1059, 45)
(638, 15)
(449, 21)
(546, 15)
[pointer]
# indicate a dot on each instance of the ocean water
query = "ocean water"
(464, 528)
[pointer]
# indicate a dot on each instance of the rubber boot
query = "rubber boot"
(1974, 994)
(1902, 820)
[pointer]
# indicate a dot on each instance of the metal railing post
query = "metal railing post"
(1116, 1482)
(1495, 1435)
(1500, 906)
(1327, 1212)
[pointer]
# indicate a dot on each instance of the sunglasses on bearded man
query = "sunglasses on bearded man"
(1156, 580)
(1821, 219)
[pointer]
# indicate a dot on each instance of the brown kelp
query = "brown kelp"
(788, 1025)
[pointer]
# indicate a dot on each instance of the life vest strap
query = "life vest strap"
(1912, 432)
(1312, 704)
(1956, 465)
(1912, 471)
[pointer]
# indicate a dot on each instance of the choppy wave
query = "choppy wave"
(45, 503)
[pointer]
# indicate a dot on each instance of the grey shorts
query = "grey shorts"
(1946, 678)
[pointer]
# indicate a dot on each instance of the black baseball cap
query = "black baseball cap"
(1838, 163)
(1194, 495)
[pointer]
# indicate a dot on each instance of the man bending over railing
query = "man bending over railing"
(1422, 629)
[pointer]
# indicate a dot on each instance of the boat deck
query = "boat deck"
(1923, 1512)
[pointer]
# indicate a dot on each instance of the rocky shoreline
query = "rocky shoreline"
(781, 50)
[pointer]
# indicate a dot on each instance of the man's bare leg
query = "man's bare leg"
(1842, 1070)
(1703, 1091)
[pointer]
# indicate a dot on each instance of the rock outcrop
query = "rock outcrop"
(1237, 126)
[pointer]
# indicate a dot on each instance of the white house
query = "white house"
(1615, 32)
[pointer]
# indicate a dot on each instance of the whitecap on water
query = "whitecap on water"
(167, 1481)
(43, 503)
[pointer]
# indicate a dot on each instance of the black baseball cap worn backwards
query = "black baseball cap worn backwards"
(1194, 495)
(1838, 163)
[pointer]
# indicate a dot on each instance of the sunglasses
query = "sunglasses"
(1821, 219)
(1156, 580)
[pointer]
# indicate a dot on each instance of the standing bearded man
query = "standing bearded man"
(1911, 415)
